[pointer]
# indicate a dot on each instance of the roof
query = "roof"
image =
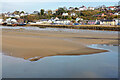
(111, 7)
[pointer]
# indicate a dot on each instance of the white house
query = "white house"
(11, 15)
(82, 8)
(116, 14)
(111, 8)
(23, 14)
(91, 8)
(63, 22)
(13, 21)
(107, 22)
(54, 19)
(72, 14)
(46, 21)
(65, 14)
(1, 21)
(54, 11)
(117, 21)
(77, 19)
(10, 21)
(35, 23)
(16, 16)
(67, 21)
(42, 21)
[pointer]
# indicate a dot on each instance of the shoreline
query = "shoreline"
(88, 27)
(29, 44)
(38, 58)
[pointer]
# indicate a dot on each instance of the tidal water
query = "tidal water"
(102, 65)
(59, 29)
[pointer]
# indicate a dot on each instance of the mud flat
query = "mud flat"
(33, 45)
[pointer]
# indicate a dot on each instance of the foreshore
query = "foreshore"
(89, 27)
(33, 45)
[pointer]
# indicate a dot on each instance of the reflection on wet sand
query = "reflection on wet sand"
(72, 53)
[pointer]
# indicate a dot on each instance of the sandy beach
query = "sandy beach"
(33, 45)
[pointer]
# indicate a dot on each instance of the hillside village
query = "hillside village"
(83, 15)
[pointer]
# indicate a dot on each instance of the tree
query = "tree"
(42, 11)
(30, 18)
(16, 12)
(76, 8)
(60, 11)
(69, 18)
(22, 12)
(73, 10)
(73, 21)
(49, 12)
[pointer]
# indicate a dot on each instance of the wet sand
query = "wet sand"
(33, 45)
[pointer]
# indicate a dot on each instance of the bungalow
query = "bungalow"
(35, 12)
(107, 22)
(116, 14)
(23, 14)
(91, 8)
(54, 11)
(45, 21)
(72, 14)
(78, 19)
(11, 21)
(65, 14)
(54, 19)
(111, 8)
(82, 8)
(16, 16)
(11, 15)
(70, 8)
(117, 21)
(35, 22)
(62, 22)
(42, 21)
